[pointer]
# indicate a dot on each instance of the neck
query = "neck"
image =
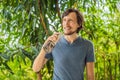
(71, 38)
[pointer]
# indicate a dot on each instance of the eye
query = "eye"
(64, 20)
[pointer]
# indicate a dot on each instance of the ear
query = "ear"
(80, 26)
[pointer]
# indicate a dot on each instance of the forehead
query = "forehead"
(71, 15)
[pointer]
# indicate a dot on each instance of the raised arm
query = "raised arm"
(40, 60)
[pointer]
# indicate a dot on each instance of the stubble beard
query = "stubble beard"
(71, 32)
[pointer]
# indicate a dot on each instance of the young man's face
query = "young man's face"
(70, 24)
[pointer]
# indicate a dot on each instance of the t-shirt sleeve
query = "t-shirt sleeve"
(49, 55)
(90, 57)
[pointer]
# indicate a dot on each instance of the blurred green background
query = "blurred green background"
(25, 25)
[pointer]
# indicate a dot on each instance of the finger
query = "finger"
(52, 38)
(56, 33)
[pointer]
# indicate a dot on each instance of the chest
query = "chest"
(69, 53)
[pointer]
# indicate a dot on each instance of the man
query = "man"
(71, 53)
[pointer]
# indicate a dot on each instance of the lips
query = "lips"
(67, 28)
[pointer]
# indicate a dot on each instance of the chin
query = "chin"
(70, 33)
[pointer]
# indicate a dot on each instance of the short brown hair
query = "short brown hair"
(80, 19)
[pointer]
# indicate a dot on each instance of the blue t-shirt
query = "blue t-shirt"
(70, 59)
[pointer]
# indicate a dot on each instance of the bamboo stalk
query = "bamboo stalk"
(39, 76)
(58, 10)
(104, 68)
(42, 18)
(110, 70)
(115, 69)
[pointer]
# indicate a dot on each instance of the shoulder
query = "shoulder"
(86, 41)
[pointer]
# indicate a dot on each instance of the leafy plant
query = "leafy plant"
(25, 25)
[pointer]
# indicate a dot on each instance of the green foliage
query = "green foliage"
(23, 30)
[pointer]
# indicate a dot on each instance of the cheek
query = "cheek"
(77, 25)
(72, 24)
(63, 23)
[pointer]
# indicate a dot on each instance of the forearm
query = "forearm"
(90, 71)
(90, 77)
(39, 61)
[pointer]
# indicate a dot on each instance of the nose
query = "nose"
(65, 23)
